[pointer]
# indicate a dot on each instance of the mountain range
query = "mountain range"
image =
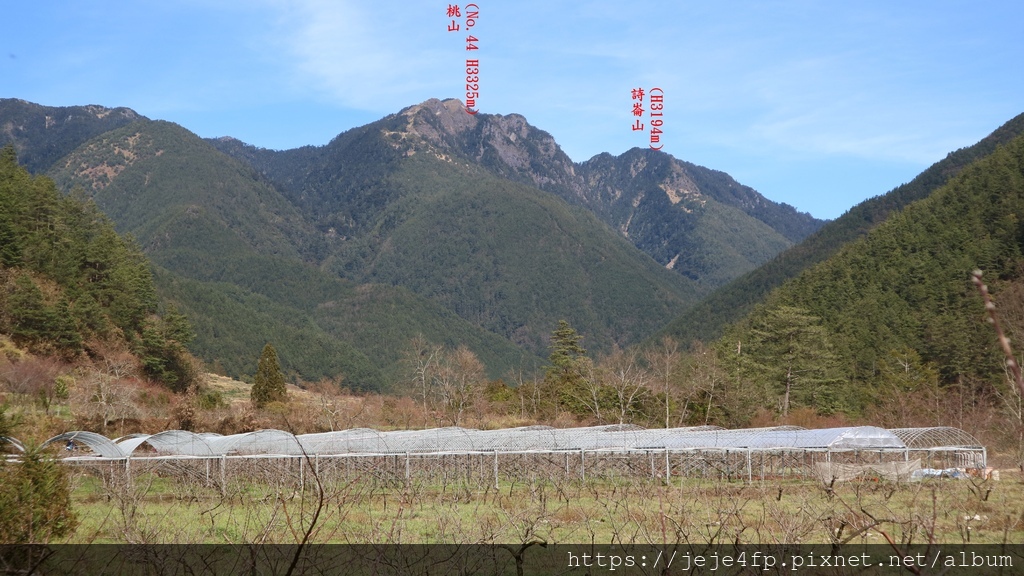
(468, 230)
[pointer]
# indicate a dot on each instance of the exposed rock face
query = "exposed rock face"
(669, 208)
(437, 122)
(44, 134)
(698, 222)
(506, 144)
(101, 161)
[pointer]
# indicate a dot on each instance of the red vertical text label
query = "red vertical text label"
(472, 65)
(637, 94)
(657, 111)
(472, 12)
(453, 13)
(472, 85)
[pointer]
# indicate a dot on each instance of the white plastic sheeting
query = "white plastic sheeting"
(524, 439)
(169, 442)
(852, 438)
(14, 442)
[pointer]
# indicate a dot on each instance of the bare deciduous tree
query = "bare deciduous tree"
(423, 358)
(35, 378)
(459, 377)
(621, 373)
(665, 362)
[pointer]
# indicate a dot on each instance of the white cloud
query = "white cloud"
(368, 56)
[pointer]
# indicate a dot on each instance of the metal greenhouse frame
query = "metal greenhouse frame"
(525, 454)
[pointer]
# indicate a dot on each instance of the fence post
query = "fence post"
(495, 469)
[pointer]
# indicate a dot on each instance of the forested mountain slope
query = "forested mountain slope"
(510, 258)
(41, 135)
(708, 319)
(407, 208)
(697, 222)
(71, 287)
(894, 313)
(473, 230)
(655, 201)
(241, 260)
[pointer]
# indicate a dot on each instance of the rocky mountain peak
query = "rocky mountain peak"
(43, 134)
(101, 112)
(438, 121)
(506, 144)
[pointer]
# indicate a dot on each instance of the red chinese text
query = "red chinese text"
(657, 107)
(472, 43)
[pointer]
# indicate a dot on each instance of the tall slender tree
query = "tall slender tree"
(790, 351)
(566, 375)
(268, 385)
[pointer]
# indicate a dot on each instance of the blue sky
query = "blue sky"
(817, 104)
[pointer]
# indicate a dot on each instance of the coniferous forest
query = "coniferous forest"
(73, 287)
(428, 271)
(386, 259)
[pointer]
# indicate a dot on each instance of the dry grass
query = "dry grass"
(640, 511)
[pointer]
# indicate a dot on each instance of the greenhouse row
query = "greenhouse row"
(530, 452)
(532, 438)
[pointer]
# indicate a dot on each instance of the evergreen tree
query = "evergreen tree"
(789, 349)
(31, 320)
(67, 277)
(35, 500)
(65, 334)
(163, 353)
(10, 250)
(268, 385)
(566, 375)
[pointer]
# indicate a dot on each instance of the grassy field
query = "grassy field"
(636, 511)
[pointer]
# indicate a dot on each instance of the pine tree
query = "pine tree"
(35, 500)
(30, 318)
(569, 364)
(790, 350)
(163, 350)
(268, 385)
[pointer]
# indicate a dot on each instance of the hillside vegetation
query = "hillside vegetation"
(510, 258)
(241, 261)
(42, 135)
(71, 286)
(893, 316)
(707, 320)
(357, 247)
(684, 217)
(697, 222)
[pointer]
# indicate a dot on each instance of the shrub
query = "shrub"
(35, 500)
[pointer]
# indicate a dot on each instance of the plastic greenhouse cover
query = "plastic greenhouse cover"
(529, 438)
